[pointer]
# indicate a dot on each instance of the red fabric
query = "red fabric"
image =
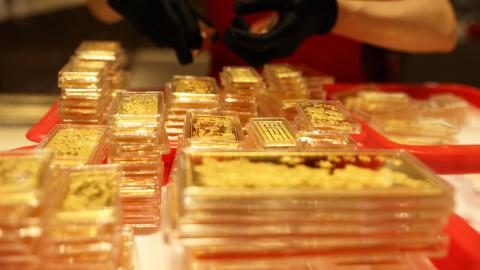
(329, 54)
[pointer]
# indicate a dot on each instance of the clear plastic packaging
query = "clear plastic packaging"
(241, 81)
(130, 107)
(389, 245)
(326, 117)
(186, 88)
(90, 196)
(82, 74)
(213, 130)
(271, 133)
(109, 51)
(75, 145)
(23, 178)
(377, 174)
(397, 261)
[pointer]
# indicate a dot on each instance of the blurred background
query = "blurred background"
(38, 36)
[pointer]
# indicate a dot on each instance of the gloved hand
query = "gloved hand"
(170, 23)
(298, 19)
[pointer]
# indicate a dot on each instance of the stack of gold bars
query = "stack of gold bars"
(285, 86)
(242, 209)
(24, 178)
(211, 130)
(137, 140)
(83, 227)
(188, 93)
(70, 219)
(325, 124)
(89, 80)
(112, 54)
(76, 145)
(85, 94)
(403, 119)
(241, 86)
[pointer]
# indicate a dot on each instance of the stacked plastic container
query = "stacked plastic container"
(241, 86)
(83, 225)
(188, 93)
(325, 124)
(285, 86)
(137, 140)
(23, 190)
(89, 80)
(85, 93)
(246, 208)
(110, 52)
(436, 120)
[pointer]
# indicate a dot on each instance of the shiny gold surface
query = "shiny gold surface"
(327, 115)
(89, 190)
(242, 75)
(273, 132)
(334, 172)
(211, 127)
(19, 173)
(74, 146)
(139, 104)
(282, 71)
(193, 85)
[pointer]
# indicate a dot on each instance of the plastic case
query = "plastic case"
(213, 130)
(285, 82)
(130, 107)
(25, 186)
(398, 262)
(241, 81)
(228, 205)
(326, 117)
(271, 133)
(82, 74)
(450, 157)
(188, 91)
(83, 225)
(412, 178)
(75, 145)
(109, 51)
(137, 141)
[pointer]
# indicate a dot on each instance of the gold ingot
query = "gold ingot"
(74, 145)
(242, 75)
(193, 85)
(204, 128)
(139, 104)
(272, 132)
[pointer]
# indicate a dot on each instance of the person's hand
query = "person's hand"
(170, 23)
(298, 19)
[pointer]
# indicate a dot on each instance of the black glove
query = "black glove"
(170, 23)
(298, 19)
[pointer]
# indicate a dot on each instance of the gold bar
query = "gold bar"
(22, 174)
(354, 173)
(91, 194)
(282, 71)
(326, 117)
(75, 145)
(140, 104)
(242, 75)
(193, 85)
(271, 132)
(213, 130)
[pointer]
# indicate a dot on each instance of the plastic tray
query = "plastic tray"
(444, 159)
